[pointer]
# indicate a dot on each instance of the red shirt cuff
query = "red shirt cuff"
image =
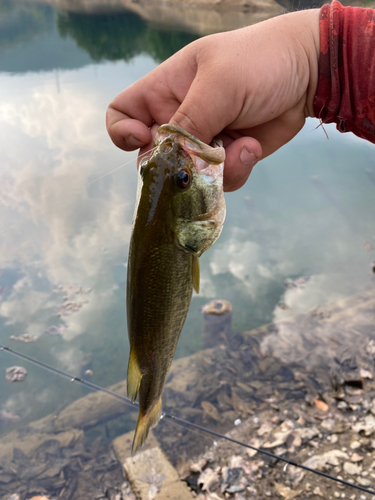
(346, 81)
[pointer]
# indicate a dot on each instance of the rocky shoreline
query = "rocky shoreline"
(200, 17)
(319, 412)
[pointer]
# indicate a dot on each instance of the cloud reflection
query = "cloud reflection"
(54, 144)
(74, 231)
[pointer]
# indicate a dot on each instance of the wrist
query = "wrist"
(303, 40)
(312, 48)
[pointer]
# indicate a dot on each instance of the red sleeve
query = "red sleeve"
(346, 84)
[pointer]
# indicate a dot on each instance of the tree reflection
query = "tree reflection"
(292, 5)
(162, 44)
(120, 36)
(20, 23)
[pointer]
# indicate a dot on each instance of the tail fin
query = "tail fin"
(144, 424)
(134, 376)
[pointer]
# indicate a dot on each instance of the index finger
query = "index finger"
(154, 98)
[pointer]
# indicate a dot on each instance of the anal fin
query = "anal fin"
(134, 376)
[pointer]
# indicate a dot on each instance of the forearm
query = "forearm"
(346, 84)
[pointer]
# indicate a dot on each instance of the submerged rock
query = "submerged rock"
(297, 282)
(8, 417)
(55, 330)
(15, 374)
(26, 338)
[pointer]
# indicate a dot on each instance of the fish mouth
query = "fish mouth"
(210, 156)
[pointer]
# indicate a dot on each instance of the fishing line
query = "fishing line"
(118, 168)
(197, 432)
(268, 453)
(15, 224)
(88, 184)
(72, 378)
(182, 422)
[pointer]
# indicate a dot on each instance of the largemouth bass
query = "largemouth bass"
(179, 214)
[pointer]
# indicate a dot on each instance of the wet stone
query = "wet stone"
(354, 445)
(46, 473)
(356, 458)
(6, 478)
(364, 482)
(329, 424)
(352, 468)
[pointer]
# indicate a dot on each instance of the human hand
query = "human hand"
(252, 87)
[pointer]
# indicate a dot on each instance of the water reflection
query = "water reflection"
(120, 36)
(65, 222)
(35, 37)
(20, 23)
(292, 5)
(49, 183)
(29, 40)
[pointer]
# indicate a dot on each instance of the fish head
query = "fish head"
(183, 182)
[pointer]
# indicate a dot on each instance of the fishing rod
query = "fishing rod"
(182, 422)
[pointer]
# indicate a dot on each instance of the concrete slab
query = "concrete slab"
(151, 467)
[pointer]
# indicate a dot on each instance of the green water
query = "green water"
(66, 207)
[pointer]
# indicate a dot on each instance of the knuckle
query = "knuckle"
(184, 121)
(193, 122)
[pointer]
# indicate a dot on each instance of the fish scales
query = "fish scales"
(179, 215)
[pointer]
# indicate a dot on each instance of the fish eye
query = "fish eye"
(143, 164)
(183, 178)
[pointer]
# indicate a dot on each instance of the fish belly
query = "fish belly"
(159, 291)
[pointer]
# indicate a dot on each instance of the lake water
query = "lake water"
(67, 197)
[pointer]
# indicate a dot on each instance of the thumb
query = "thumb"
(206, 109)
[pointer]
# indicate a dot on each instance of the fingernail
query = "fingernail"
(133, 141)
(247, 157)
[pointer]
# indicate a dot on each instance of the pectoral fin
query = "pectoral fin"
(196, 273)
(134, 376)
